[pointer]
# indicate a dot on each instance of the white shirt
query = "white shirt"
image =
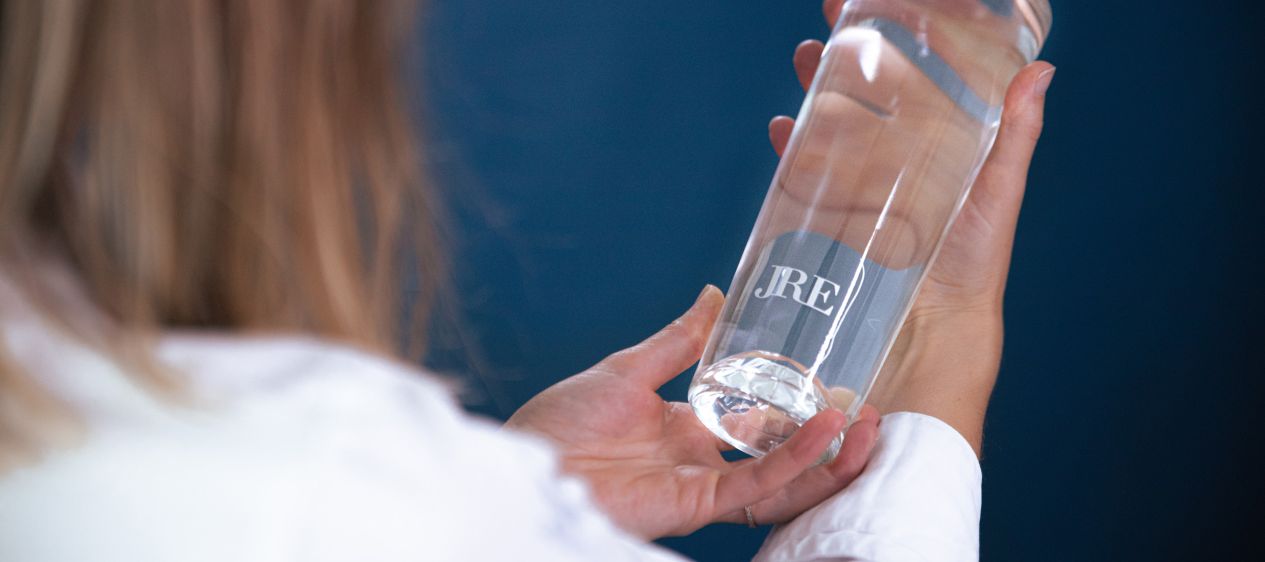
(303, 450)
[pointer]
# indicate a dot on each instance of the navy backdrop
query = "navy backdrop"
(601, 161)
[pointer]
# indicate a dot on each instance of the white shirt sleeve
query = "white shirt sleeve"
(917, 500)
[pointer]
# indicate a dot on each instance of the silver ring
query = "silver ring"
(750, 517)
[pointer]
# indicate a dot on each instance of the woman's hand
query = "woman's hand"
(946, 359)
(652, 465)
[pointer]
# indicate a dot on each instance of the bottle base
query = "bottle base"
(756, 400)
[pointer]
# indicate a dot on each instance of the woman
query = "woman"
(201, 217)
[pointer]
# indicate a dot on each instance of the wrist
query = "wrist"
(944, 364)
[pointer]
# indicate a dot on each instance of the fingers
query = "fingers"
(806, 59)
(999, 189)
(831, 9)
(780, 133)
(856, 448)
(821, 482)
(754, 481)
(673, 349)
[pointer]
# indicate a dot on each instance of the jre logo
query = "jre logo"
(820, 294)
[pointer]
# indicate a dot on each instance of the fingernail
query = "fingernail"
(1043, 81)
(699, 299)
(694, 309)
(706, 289)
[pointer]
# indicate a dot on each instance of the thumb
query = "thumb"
(673, 349)
(975, 258)
(998, 191)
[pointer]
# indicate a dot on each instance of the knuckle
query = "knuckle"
(762, 480)
(695, 339)
(620, 359)
(1024, 125)
(773, 475)
(1032, 129)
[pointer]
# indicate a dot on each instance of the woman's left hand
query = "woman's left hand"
(655, 469)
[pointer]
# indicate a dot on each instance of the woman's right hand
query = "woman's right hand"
(945, 362)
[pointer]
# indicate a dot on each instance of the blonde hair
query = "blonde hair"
(244, 165)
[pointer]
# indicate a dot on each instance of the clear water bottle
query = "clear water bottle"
(898, 121)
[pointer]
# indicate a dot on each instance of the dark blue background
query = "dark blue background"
(601, 161)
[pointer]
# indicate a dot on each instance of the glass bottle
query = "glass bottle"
(893, 131)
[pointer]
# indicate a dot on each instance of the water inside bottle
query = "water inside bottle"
(756, 400)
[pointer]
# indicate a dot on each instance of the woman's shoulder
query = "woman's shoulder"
(362, 404)
(234, 367)
(394, 445)
(343, 449)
